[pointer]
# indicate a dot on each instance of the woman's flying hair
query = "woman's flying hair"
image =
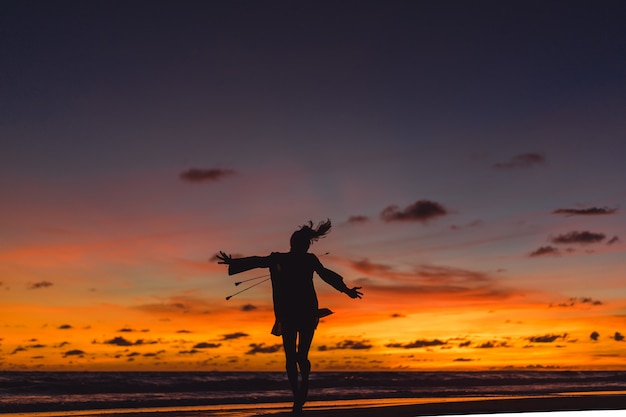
(322, 230)
(307, 234)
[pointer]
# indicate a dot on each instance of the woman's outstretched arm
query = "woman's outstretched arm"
(334, 279)
(237, 265)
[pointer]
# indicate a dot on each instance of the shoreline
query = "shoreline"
(397, 407)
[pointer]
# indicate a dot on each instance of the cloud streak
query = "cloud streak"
(525, 160)
(548, 338)
(261, 348)
(420, 211)
(545, 251)
(197, 175)
(417, 344)
(40, 284)
(583, 238)
(347, 344)
(591, 211)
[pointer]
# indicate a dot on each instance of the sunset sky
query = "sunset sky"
(469, 154)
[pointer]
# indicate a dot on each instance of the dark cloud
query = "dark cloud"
(546, 251)
(614, 239)
(130, 330)
(397, 315)
(574, 301)
(189, 352)
(120, 341)
(153, 354)
(548, 338)
(348, 344)
(594, 336)
(205, 345)
(183, 331)
(358, 219)
(417, 344)
(75, 352)
(65, 327)
(202, 175)
(420, 211)
(525, 160)
(591, 211)
(261, 348)
(40, 284)
(492, 345)
(465, 344)
(62, 344)
(18, 349)
(237, 335)
(618, 337)
(584, 237)
(249, 307)
(463, 360)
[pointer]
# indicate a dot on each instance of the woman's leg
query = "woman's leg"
(304, 344)
(289, 345)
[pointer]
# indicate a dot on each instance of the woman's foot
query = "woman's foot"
(297, 408)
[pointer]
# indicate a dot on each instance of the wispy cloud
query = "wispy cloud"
(206, 345)
(348, 344)
(120, 341)
(442, 281)
(548, 338)
(18, 349)
(40, 284)
(584, 237)
(367, 267)
(358, 219)
(74, 352)
(420, 211)
(613, 240)
(179, 304)
(261, 348)
(237, 335)
(130, 330)
(417, 344)
(591, 211)
(574, 301)
(525, 160)
(546, 251)
(492, 344)
(197, 175)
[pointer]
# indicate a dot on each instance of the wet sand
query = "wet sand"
(400, 407)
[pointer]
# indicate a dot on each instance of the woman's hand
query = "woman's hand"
(224, 258)
(354, 293)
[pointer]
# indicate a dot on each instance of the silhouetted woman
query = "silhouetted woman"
(295, 301)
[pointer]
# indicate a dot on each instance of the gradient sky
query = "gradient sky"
(469, 154)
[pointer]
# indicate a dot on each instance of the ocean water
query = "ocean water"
(66, 391)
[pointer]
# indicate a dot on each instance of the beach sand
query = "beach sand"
(408, 407)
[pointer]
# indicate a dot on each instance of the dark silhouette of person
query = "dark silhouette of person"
(295, 301)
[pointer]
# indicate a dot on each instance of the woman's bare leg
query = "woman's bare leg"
(291, 358)
(302, 357)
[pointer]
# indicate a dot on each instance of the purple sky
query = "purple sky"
(468, 136)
